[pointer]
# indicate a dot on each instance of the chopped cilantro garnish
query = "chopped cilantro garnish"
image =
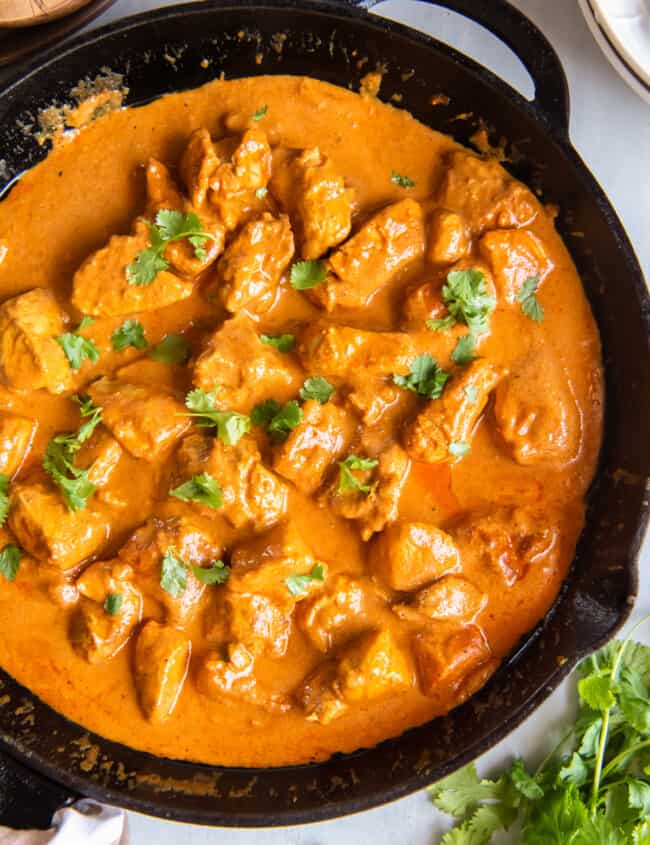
(169, 226)
(463, 352)
(282, 342)
(10, 561)
(173, 573)
(348, 482)
(299, 584)
(230, 425)
(278, 420)
(4, 497)
(259, 114)
(530, 305)
(113, 603)
(216, 573)
(202, 488)
(403, 181)
(130, 333)
(308, 274)
(172, 349)
(78, 348)
(316, 388)
(425, 378)
(468, 301)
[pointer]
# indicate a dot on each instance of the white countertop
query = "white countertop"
(610, 126)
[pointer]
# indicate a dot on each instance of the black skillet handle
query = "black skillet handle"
(28, 800)
(527, 41)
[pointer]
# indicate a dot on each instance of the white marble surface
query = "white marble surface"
(610, 126)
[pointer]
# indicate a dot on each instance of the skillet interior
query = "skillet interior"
(320, 40)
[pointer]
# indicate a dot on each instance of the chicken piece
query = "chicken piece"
(163, 194)
(453, 417)
(448, 237)
(411, 554)
(323, 204)
(388, 242)
(251, 268)
(99, 455)
(197, 166)
(372, 398)
(508, 540)
(485, 194)
(49, 531)
(319, 439)
(162, 656)
(515, 255)
(100, 287)
(16, 437)
(445, 660)
(147, 421)
(98, 629)
(337, 613)
(234, 183)
(177, 543)
(450, 598)
(424, 302)
(30, 357)
(258, 623)
(252, 494)
(242, 370)
(233, 678)
(378, 507)
(263, 563)
(343, 351)
(370, 668)
(536, 413)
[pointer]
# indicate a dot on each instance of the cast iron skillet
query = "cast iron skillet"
(326, 40)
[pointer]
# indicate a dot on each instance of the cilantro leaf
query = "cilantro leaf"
(113, 603)
(316, 388)
(426, 378)
(172, 349)
(146, 266)
(308, 274)
(463, 352)
(259, 113)
(528, 299)
(441, 324)
(172, 224)
(201, 488)
(595, 691)
(278, 420)
(299, 584)
(348, 482)
(130, 333)
(468, 301)
(230, 425)
(10, 561)
(173, 573)
(216, 573)
(575, 771)
(78, 348)
(4, 498)
(523, 782)
(403, 181)
(282, 342)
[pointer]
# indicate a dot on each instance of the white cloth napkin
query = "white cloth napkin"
(83, 823)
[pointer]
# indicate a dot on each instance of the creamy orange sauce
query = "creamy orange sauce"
(92, 188)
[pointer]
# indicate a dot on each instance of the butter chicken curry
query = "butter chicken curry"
(300, 403)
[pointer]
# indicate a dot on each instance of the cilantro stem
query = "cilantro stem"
(628, 751)
(553, 752)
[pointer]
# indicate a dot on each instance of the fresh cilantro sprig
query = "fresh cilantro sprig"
(130, 333)
(527, 297)
(230, 425)
(401, 180)
(173, 572)
(10, 556)
(4, 497)
(259, 113)
(78, 348)
(202, 488)
(113, 603)
(216, 573)
(169, 226)
(281, 342)
(317, 388)
(276, 419)
(348, 482)
(425, 378)
(299, 584)
(593, 789)
(307, 274)
(172, 349)
(60, 454)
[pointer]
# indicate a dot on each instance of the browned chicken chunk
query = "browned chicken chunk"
(233, 678)
(100, 456)
(16, 436)
(337, 613)
(449, 239)
(445, 660)
(162, 656)
(30, 357)
(515, 255)
(388, 242)
(411, 554)
(450, 598)
(261, 625)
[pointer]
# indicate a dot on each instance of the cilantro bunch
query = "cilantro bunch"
(593, 789)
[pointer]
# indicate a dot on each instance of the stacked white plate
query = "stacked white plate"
(622, 29)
